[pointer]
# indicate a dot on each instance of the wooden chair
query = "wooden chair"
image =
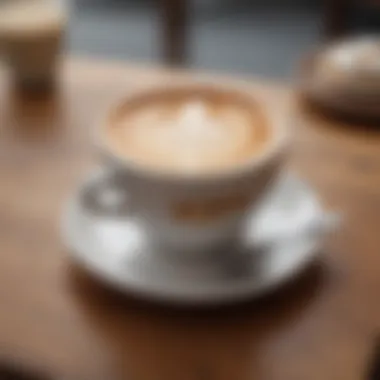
(336, 18)
(175, 14)
(175, 18)
(338, 14)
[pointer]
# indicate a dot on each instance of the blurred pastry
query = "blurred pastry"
(346, 76)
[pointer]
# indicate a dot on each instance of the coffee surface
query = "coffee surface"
(188, 133)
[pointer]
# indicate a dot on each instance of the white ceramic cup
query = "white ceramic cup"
(196, 213)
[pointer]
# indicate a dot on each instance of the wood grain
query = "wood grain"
(56, 318)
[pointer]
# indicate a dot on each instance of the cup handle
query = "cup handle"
(326, 224)
(103, 195)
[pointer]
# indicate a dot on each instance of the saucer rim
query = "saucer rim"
(150, 293)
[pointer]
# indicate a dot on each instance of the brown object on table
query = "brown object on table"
(331, 89)
(53, 315)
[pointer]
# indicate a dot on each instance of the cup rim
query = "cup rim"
(277, 144)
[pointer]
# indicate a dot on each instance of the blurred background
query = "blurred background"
(259, 37)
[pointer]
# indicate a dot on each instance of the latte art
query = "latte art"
(189, 134)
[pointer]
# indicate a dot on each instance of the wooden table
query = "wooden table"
(54, 317)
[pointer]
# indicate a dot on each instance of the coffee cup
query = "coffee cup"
(31, 36)
(193, 160)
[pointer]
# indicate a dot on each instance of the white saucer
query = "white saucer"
(289, 227)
